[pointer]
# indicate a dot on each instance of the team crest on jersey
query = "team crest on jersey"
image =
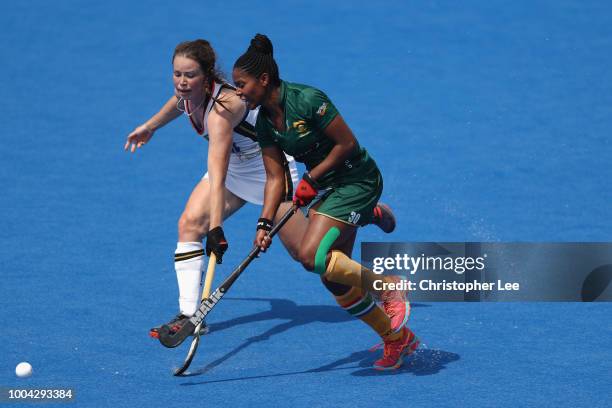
(322, 109)
(300, 126)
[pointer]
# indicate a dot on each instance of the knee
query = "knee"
(307, 259)
(314, 255)
(192, 223)
(337, 289)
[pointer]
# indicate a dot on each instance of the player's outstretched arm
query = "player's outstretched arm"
(143, 133)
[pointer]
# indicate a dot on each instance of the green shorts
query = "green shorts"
(352, 203)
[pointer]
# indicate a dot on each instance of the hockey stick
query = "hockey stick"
(210, 274)
(171, 340)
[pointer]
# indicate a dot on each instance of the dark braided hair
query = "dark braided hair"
(258, 59)
(202, 52)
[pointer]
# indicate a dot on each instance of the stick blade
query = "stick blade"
(190, 355)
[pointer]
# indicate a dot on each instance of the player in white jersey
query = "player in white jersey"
(235, 175)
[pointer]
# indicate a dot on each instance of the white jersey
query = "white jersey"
(244, 138)
(246, 174)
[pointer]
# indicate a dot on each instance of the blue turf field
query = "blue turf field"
(490, 120)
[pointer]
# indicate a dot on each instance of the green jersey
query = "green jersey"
(308, 111)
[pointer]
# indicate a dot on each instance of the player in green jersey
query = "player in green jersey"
(341, 188)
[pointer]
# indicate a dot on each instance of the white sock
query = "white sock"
(189, 263)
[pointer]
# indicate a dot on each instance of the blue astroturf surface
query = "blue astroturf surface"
(490, 121)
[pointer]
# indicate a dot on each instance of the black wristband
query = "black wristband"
(264, 224)
(311, 181)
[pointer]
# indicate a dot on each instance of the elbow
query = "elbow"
(274, 177)
(275, 185)
(352, 145)
(349, 148)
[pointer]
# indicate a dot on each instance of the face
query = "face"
(250, 89)
(188, 79)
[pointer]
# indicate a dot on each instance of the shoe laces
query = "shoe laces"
(178, 317)
(392, 347)
(389, 297)
(389, 346)
(174, 323)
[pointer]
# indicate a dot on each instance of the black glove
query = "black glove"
(216, 243)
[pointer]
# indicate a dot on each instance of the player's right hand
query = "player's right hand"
(305, 192)
(262, 240)
(139, 137)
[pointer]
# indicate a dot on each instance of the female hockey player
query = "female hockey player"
(342, 185)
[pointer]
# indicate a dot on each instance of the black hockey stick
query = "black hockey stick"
(169, 339)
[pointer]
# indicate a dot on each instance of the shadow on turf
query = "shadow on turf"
(423, 362)
(297, 315)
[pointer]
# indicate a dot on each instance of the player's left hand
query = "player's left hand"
(262, 240)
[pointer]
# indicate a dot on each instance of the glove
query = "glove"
(216, 243)
(306, 191)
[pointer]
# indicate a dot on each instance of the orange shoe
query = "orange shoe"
(383, 217)
(396, 350)
(397, 307)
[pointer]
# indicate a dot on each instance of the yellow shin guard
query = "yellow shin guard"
(342, 269)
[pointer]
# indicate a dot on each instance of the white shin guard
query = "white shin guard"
(189, 263)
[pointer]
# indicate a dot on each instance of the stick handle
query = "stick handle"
(210, 274)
